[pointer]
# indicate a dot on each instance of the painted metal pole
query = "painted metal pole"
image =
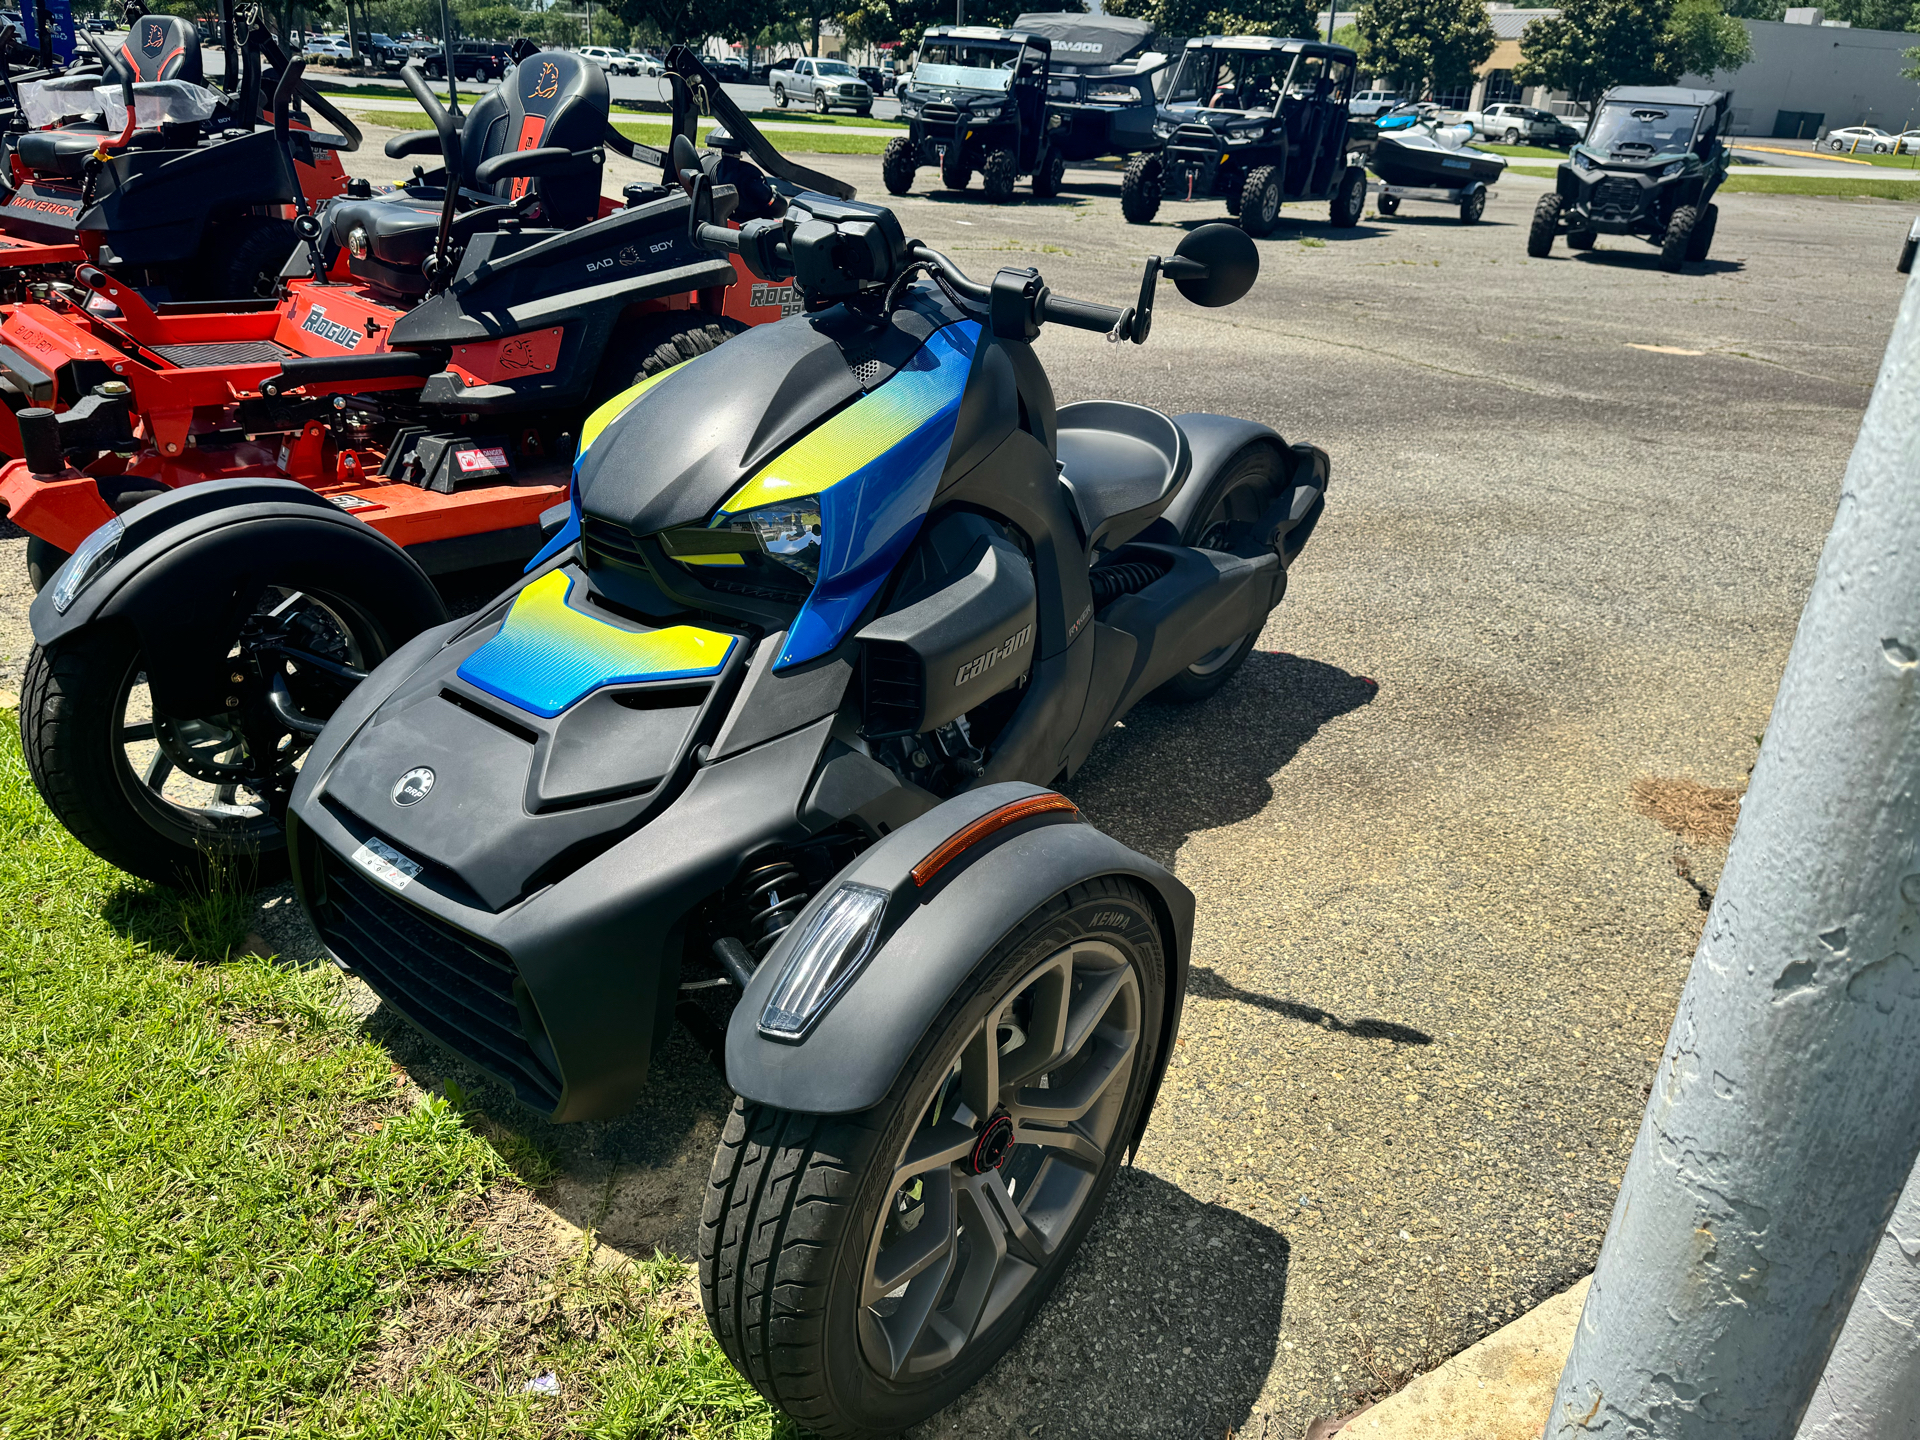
(1872, 1387)
(1782, 1122)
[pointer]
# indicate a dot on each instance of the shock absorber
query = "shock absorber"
(775, 894)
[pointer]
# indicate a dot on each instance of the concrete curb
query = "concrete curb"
(1500, 1387)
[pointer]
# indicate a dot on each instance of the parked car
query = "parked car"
(385, 50)
(328, 49)
(473, 60)
(1871, 138)
(1517, 125)
(649, 63)
(829, 84)
(98, 25)
(730, 71)
(1908, 142)
(878, 80)
(614, 62)
(1375, 102)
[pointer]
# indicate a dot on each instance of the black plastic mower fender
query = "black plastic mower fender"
(934, 943)
(190, 565)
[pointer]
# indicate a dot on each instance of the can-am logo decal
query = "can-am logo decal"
(782, 295)
(316, 323)
(981, 664)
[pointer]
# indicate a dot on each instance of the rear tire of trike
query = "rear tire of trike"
(802, 1210)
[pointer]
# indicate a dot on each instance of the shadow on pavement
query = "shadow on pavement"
(1650, 259)
(1170, 770)
(1165, 1325)
(1207, 984)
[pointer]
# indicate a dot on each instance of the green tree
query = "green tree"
(1700, 38)
(1423, 46)
(1594, 44)
(688, 22)
(1222, 17)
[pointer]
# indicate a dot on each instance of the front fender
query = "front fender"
(852, 1055)
(190, 565)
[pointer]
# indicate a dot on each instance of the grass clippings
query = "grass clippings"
(224, 1209)
(1689, 809)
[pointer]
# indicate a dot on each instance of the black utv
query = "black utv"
(1253, 121)
(1649, 167)
(979, 99)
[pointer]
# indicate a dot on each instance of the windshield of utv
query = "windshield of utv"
(1230, 79)
(966, 64)
(1643, 130)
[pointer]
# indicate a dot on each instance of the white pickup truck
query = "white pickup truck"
(1521, 125)
(829, 84)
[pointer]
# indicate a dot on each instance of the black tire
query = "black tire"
(821, 105)
(1349, 201)
(1836, 146)
(799, 1207)
(897, 165)
(1261, 200)
(1703, 238)
(1510, 136)
(1047, 179)
(1387, 204)
(954, 171)
(1473, 208)
(866, 112)
(780, 97)
(1540, 231)
(1141, 184)
(242, 259)
(1580, 239)
(1905, 264)
(1678, 239)
(159, 822)
(43, 559)
(658, 344)
(1240, 493)
(998, 173)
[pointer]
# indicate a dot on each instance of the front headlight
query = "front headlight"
(1673, 168)
(94, 555)
(836, 946)
(1241, 138)
(1163, 129)
(788, 532)
(1583, 162)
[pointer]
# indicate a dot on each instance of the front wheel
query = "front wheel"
(1541, 230)
(1141, 185)
(1678, 239)
(1350, 199)
(821, 106)
(1703, 236)
(863, 1271)
(1261, 200)
(998, 173)
(897, 165)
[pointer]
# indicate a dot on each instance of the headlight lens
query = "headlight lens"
(1241, 137)
(1673, 168)
(1582, 161)
(95, 553)
(831, 954)
(1163, 128)
(788, 532)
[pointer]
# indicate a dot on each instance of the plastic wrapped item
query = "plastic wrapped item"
(156, 103)
(50, 102)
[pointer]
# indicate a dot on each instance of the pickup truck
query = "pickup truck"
(827, 83)
(1521, 125)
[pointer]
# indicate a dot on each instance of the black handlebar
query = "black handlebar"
(438, 267)
(1082, 314)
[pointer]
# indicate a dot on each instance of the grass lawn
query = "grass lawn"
(1872, 186)
(826, 142)
(224, 1209)
(1528, 152)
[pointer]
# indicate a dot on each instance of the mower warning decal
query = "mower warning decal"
(382, 861)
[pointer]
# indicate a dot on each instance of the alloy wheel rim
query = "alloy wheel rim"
(1002, 1161)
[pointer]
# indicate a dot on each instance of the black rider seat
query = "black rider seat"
(552, 98)
(1122, 464)
(161, 47)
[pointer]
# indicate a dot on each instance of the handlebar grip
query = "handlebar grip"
(718, 237)
(1081, 314)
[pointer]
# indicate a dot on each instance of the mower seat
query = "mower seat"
(161, 47)
(57, 152)
(552, 98)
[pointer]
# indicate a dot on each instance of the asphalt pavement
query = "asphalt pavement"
(1575, 508)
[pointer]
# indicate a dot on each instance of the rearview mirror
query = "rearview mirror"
(1231, 264)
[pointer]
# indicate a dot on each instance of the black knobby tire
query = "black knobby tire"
(43, 559)
(1678, 239)
(1141, 184)
(1581, 239)
(1239, 494)
(1261, 200)
(897, 165)
(795, 1202)
(242, 259)
(1540, 231)
(658, 344)
(1349, 202)
(1047, 177)
(1387, 204)
(998, 173)
(1473, 208)
(954, 171)
(1703, 237)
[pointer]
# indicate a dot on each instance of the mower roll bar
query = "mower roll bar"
(305, 225)
(686, 72)
(438, 268)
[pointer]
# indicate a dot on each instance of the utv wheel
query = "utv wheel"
(1678, 240)
(863, 1271)
(1225, 520)
(1547, 220)
(659, 344)
(1350, 200)
(1047, 179)
(1474, 207)
(1261, 200)
(897, 165)
(1580, 239)
(43, 559)
(176, 799)
(1387, 204)
(242, 259)
(1141, 188)
(998, 172)
(1703, 236)
(954, 172)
